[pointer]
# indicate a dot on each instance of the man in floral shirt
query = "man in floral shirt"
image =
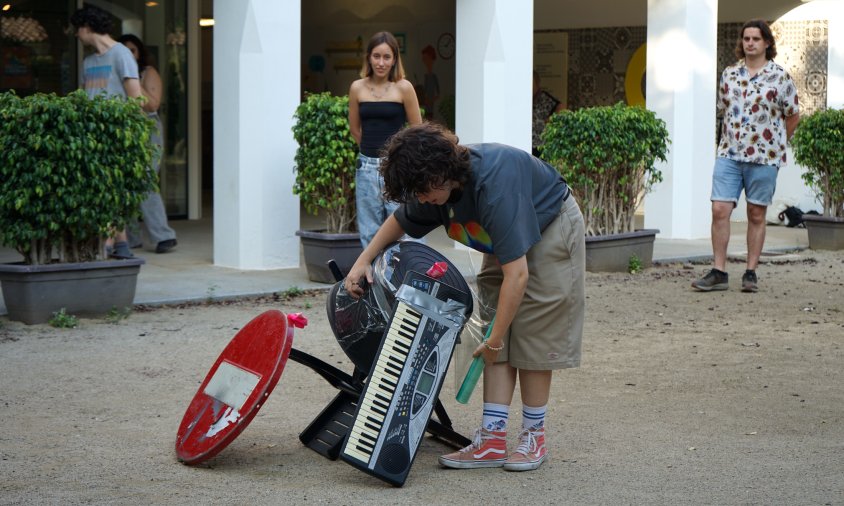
(758, 101)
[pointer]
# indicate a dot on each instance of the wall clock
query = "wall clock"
(445, 46)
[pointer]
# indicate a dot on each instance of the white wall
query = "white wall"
(495, 71)
(681, 84)
(256, 91)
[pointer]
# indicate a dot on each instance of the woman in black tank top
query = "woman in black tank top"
(380, 104)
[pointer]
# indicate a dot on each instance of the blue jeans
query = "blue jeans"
(152, 208)
(730, 177)
(372, 209)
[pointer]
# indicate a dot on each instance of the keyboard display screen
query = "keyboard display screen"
(426, 381)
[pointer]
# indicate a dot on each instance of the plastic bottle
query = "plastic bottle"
(474, 373)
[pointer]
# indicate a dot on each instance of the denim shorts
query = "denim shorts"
(730, 177)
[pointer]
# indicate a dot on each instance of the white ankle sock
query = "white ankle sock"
(495, 416)
(533, 418)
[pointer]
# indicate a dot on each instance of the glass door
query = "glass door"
(38, 53)
(161, 25)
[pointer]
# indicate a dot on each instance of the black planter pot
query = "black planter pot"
(320, 247)
(824, 232)
(34, 292)
(612, 252)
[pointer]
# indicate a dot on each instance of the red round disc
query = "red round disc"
(235, 388)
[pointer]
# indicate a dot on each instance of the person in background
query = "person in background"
(380, 104)
(432, 84)
(544, 105)
(758, 101)
(519, 212)
(109, 70)
(152, 208)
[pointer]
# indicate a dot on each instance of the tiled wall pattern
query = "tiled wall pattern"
(802, 48)
(598, 60)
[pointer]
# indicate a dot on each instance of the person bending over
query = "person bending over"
(520, 213)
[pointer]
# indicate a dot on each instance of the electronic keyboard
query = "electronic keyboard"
(406, 378)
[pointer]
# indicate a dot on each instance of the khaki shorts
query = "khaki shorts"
(547, 330)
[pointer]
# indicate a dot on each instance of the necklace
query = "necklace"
(383, 94)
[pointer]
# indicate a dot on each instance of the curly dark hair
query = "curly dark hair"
(421, 157)
(96, 19)
(767, 35)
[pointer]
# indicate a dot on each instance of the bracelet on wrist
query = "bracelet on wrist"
(490, 348)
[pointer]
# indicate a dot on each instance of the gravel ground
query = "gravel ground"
(683, 398)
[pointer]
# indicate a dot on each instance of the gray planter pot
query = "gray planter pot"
(824, 232)
(34, 292)
(320, 247)
(611, 253)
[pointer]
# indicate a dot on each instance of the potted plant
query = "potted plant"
(326, 161)
(818, 146)
(607, 156)
(72, 169)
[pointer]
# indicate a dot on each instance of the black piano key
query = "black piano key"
(392, 372)
(405, 333)
(406, 319)
(390, 384)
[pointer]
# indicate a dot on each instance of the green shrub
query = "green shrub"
(819, 147)
(447, 110)
(71, 170)
(63, 320)
(326, 160)
(634, 264)
(607, 156)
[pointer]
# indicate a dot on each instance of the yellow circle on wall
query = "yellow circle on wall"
(633, 78)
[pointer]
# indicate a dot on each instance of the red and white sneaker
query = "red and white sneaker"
(488, 449)
(531, 451)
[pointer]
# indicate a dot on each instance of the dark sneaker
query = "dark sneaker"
(748, 282)
(121, 251)
(714, 280)
(165, 246)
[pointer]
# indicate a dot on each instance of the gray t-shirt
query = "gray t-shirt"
(106, 72)
(509, 200)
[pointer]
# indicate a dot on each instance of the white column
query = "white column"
(494, 71)
(681, 85)
(256, 91)
(835, 71)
